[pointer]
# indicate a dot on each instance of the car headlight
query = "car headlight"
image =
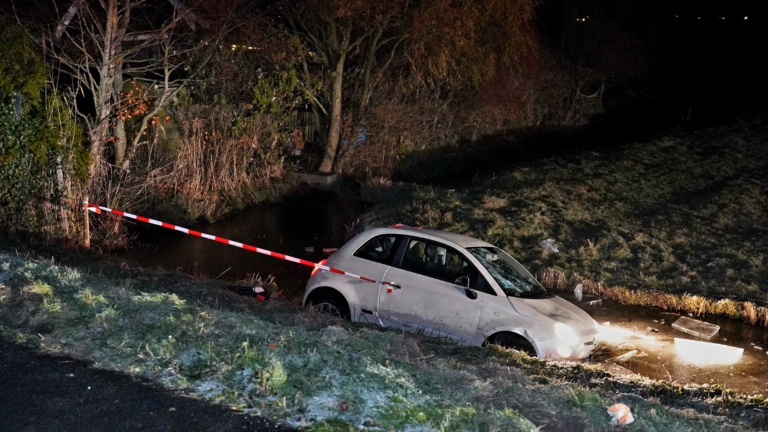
(566, 334)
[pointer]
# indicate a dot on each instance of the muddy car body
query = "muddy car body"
(449, 286)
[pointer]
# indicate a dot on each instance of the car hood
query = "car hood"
(554, 309)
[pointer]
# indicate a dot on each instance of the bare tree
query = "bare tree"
(450, 43)
(101, 43)
(332, 30)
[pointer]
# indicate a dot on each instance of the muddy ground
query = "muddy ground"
(46, 393)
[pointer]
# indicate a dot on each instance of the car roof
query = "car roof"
(459, 239)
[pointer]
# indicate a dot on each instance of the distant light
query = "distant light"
(245, 47)
(706, 353)
(746, 17)
(698, 18)
(677, 16)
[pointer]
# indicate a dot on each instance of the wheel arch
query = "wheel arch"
(515, 332)
(325, 291)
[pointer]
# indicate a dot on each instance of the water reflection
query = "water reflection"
(642, 340)
(319, 220)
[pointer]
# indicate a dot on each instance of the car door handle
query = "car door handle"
(393, 285)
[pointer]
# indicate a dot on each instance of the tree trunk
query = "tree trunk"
(369, 62)
(86, 224)
(120, 142)
(62, 190)
(326, 167)
(98, 136)
(103, 96)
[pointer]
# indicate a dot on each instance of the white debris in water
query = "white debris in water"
(697, 328)
(707, 353)
(626, 356)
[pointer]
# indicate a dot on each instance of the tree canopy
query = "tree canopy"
(444, 44)
(22, 69)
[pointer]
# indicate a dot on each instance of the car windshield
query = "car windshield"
(513, 278)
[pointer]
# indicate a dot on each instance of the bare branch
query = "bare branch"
(189, 17)
(67, 18)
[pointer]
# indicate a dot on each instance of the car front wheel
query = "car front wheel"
(515, 342)
(331, 305)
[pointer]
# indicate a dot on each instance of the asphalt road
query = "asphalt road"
(45, 393)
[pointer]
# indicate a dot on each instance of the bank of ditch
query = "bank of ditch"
(678, 222)
(313, 372)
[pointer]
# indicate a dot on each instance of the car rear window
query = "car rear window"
(381, 249)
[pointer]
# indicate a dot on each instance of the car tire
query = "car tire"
(514, 341)
(331, 304)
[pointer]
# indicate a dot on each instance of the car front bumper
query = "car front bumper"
(554, 349)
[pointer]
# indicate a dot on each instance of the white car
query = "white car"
(449, 286)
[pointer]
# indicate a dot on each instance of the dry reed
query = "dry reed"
(557, 280)
(207, 164)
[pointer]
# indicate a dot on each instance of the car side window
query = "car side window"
(381, 249)
(438, 261)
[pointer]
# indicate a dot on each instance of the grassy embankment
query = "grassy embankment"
(314, 372)
(679, 222)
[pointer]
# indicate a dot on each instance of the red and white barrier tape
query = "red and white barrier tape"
(98, 209)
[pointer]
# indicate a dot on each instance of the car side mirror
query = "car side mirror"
(464, 282)
(471, 294)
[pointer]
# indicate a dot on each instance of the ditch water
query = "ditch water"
(325, 220)
(642, 340)
(317, 219)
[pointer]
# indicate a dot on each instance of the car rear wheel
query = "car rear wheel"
(515, 342)
(331, 303)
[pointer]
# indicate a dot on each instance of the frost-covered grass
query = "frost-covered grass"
(311, 371)
(685, 215)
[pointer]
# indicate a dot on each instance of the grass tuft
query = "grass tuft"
(41, 289)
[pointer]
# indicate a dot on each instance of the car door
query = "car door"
(371, 260)
(427, 295)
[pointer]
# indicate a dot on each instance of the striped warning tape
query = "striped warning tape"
(98, 209)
